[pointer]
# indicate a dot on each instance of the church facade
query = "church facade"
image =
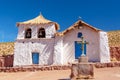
(39, 43)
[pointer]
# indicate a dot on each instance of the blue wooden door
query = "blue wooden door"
(78, 49)
(35, 58)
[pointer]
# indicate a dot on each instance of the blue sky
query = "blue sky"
(102, 14)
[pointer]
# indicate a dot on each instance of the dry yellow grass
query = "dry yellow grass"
(114, 38)
(6, 48)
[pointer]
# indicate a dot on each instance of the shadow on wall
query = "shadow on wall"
(6, 61)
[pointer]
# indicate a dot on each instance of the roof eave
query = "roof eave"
(79, 22)
(34, 24)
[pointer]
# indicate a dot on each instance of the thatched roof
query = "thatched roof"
(37, 21)
(78, 23)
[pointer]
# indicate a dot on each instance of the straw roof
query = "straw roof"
(74, 26)
(37, 21)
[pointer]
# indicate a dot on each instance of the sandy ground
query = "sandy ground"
(100, 74)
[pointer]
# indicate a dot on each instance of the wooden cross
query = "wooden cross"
(83, 42)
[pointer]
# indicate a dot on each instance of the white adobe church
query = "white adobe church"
(38, 42)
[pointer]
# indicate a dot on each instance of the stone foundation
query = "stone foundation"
(107, 65)
(33, 68)
(50, 68)
(82, 71)
(83, 59)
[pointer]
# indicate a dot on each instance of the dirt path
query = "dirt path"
(100, 74)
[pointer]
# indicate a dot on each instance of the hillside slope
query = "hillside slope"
(6, 48)
(114, 38)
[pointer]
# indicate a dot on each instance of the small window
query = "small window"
(79, 35)
(41, 33)
(28, 33)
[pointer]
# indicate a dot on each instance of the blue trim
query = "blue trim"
(79, 35)
(85, 48)
(78, 49)
(35, 58)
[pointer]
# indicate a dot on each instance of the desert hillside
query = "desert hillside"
(6, 48)
(114, 42)
(113, 36)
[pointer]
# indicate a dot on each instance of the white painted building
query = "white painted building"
(38, 42)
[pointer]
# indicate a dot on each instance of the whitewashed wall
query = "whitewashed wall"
(104, 48)
(49, 29)
(25, 47)
(21, 32)
(58, 51)
(90, 36)
(23, 52)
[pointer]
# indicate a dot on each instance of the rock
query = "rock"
(115, 53)
(82, 71)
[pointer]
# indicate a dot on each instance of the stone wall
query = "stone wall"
(53, 67)
(115, 53)
(33, 68)
(106, 65)
(2, 60)
(6, 61)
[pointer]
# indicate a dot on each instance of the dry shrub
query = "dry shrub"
(114, 38)
(6, 48)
